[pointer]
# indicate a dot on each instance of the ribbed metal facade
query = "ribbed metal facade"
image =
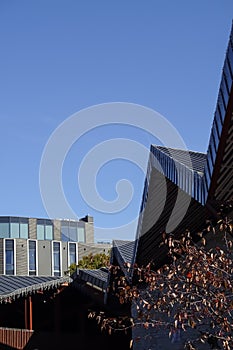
(221, 128)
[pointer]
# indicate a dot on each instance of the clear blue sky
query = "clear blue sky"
(59, 57)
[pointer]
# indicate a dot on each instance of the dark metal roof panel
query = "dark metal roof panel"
(101, 274)
(125, 249)
(198, 159)
(14, 286)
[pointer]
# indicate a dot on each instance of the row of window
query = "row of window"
(10, 257)
(11, 227)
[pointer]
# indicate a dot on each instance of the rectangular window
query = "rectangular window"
(49, 232)
(9, 257)
(14, 229)
(81, 235)
(73, 232)
(72, 253)
(56, 259)
(65, 231)
(23, 230)
(40, 232)
(4, 229)
(44, 229)
(32, 257)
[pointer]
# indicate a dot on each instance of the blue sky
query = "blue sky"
(60, 57)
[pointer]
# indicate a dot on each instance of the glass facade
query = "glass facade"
(72, 231)
(9, 257)
(81, 235)
(13, 227)
(44, 229)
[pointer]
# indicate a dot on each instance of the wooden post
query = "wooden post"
(30, 313)
(26, 312)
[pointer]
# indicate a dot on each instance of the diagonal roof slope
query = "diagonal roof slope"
(198, 159)
(15, 286)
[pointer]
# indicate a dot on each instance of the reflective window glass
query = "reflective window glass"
(224, 91)
(65, 231)
(23, 230)
(4, 230)
(81, 235)
(32, 257)
(227, 74)
(73, 232)
(221, 107)
(218, 121)
(210, 162)
(215, 136)
(56, 259)
(40, 232)
(72, 253)
(9, 257)
(207, 175)
(14, 230)
(49, 232)
(230, 57)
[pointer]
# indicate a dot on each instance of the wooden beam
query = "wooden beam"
(30, 313)
(26, 313)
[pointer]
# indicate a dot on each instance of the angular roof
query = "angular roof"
(16, 286)
(97, 278)
(125, 250)
(184, 157)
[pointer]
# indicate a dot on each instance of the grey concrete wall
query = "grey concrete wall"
(44, 258)
(64, 254)
(92, 248)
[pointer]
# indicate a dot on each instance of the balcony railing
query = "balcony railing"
(14, 337)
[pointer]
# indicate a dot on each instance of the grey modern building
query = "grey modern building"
(44, 247)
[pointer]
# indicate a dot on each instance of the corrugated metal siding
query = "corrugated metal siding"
(21, 257)
(44, 258)
(194, 160)
(151, 234)
(32, 228)
(157, 193)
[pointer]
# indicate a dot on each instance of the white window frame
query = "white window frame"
(76, 251)
(4, 255)
(60, 258)
(34, 240)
